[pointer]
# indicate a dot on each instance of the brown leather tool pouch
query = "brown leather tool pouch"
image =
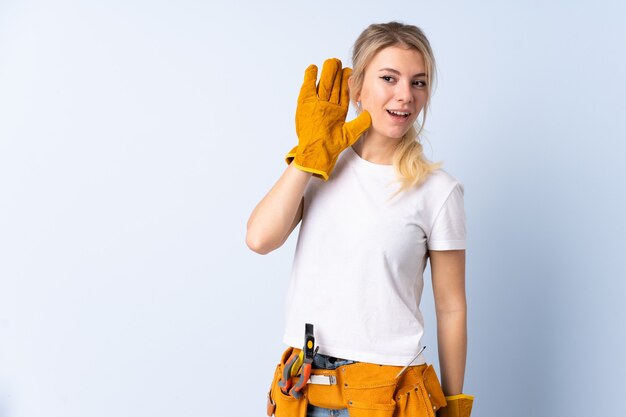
(284, 405)
(365, 389)
(371, 400)
(421, 395)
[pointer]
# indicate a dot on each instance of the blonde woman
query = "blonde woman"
(373, 211)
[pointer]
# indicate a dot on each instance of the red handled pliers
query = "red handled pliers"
(309, 354)
(292, 366)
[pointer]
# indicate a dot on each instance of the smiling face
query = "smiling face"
(394, 91)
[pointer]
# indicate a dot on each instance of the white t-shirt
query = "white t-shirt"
(357, 274)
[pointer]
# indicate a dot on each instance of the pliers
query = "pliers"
(309, 354)
(301, 361)
(293, 365)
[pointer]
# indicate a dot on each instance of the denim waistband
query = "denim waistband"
(321, 361)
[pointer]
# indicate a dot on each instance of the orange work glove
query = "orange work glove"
(458, 406)
(321, 120)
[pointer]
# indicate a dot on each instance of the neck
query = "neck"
(376, 149)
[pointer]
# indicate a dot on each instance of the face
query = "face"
(394, 91)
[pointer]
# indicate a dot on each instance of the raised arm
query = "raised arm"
(322, 135)
(278, 213)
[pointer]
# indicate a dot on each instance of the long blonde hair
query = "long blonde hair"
(409, 161)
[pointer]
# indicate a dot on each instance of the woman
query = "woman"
(367, 232)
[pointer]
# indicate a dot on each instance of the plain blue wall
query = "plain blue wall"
(137, 136)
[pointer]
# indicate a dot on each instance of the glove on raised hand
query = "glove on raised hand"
(458, 406)
(321, 120)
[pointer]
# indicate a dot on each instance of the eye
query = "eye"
(387, 78)
(420, 83)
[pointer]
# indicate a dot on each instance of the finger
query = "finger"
(327, 79)
(354, 129)
(308, 85)
(345, 89)
(335, 94)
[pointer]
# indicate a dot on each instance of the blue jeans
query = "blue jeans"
(327, 362)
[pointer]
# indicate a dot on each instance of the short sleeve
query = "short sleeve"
(448, 229)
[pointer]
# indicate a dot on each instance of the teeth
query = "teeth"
(398, 113)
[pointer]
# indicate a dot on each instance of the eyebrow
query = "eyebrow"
(421, 74)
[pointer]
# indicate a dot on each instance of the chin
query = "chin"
(397, 134)
(391, 134)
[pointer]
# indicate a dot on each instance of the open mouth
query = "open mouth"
(398, 114)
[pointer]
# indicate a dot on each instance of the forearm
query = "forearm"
(271, 219)
(452, 341)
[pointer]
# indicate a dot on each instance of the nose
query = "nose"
(403, 92)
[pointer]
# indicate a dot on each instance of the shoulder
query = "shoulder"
(441, 181)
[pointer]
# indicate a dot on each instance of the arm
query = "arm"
(278, 213)
(448, 277)
(322, 135)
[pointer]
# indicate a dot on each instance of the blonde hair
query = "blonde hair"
(409, 161)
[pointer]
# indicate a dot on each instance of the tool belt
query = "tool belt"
(365, 389)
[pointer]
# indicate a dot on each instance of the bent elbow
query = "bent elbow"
(257, 245)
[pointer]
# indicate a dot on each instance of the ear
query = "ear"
(356, 95)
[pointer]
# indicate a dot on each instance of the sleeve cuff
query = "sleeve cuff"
(447, 245)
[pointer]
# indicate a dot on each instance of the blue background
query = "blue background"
(137, 136)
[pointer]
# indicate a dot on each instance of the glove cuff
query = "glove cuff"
(291, 154)
(316, 172)
(458, 396)
(459, 405)
(319, 173)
